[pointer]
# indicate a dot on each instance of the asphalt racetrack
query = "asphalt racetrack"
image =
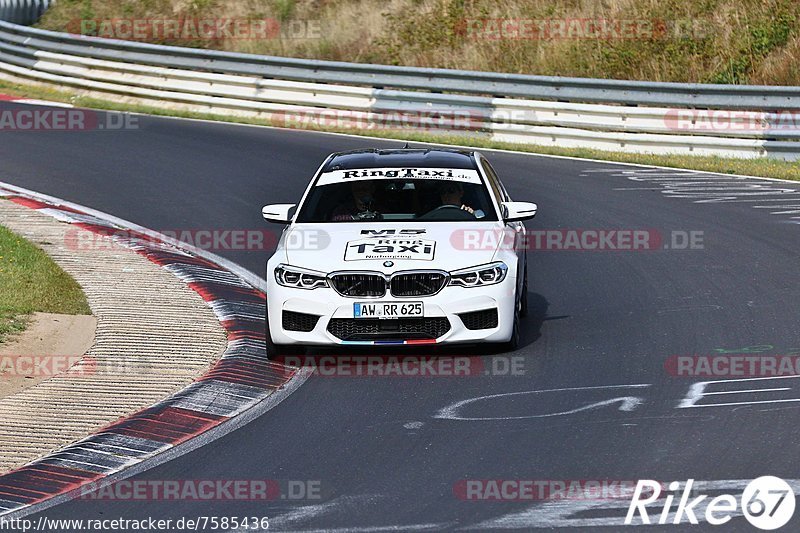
(595, 395)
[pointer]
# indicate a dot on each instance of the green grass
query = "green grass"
(764, 167)
(29, 282)
(701, 41)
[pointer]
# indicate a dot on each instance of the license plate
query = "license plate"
(387, 310)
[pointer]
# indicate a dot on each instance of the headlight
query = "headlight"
(299, 278)
(479, 276)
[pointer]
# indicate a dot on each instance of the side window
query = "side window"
(498, 191)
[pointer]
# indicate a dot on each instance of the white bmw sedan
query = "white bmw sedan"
(398, 247)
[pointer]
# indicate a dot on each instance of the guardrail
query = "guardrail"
(726, 120)
(23, 11)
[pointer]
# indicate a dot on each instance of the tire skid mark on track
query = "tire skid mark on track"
(240, 379)
(701, 188)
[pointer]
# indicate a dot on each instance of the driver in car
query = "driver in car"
(452, 193)
(361, 205)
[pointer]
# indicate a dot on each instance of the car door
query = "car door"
(520, 232)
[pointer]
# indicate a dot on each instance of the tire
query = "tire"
(520, 310)
(512, 344)
(523, 303)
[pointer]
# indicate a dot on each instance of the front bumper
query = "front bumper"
(447, 305)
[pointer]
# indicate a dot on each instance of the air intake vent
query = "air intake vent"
(486, 319)
(293, 321)
(357, 284)
(354, 329)
(418, 283)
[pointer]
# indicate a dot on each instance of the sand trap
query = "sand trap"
(49, 345)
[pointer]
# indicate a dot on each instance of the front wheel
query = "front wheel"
(523, 303)
(512, 344)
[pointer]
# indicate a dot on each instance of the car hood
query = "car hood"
(391, 247)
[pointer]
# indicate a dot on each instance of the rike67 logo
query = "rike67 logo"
(767, 503)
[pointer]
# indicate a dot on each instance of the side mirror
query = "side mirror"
(278, 213)
(518, 211)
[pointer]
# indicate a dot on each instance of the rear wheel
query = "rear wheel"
(523, 304)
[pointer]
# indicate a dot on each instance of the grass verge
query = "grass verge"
(706, 41)
(29, 282)
(764, 167)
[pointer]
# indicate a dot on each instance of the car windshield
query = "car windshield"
(400, 200)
